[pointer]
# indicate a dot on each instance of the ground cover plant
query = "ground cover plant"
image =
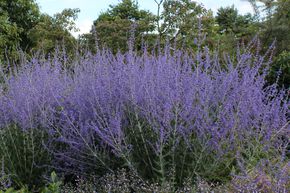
(167, 117)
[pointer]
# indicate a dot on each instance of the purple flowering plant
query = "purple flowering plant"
(168, 115)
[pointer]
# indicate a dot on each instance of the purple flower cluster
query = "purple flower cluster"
(265, 177)
(93, 110)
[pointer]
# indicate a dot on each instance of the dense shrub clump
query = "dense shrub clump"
(169, 117)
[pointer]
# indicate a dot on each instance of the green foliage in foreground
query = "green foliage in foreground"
(211, 174)
(53, 187)
(24, 158)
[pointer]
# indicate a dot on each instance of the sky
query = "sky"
(90, 9)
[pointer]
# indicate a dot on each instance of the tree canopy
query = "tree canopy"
(113, 26)
(54, 30)
(16, 18)
(24, 27)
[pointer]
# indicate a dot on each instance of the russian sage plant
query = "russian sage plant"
(167, 116)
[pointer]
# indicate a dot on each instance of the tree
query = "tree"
(16, 18)
(180, 18)
(23, 27)
(280, 25)
(275, 25)
(230, 21)
(113, 26)
(184, 20)
(227, 19)
(233, 28)
(51, 31)
(9, 37)
(24, 14)
(274, 18)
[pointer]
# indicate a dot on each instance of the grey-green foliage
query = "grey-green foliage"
(24, 156)
(174, 162)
